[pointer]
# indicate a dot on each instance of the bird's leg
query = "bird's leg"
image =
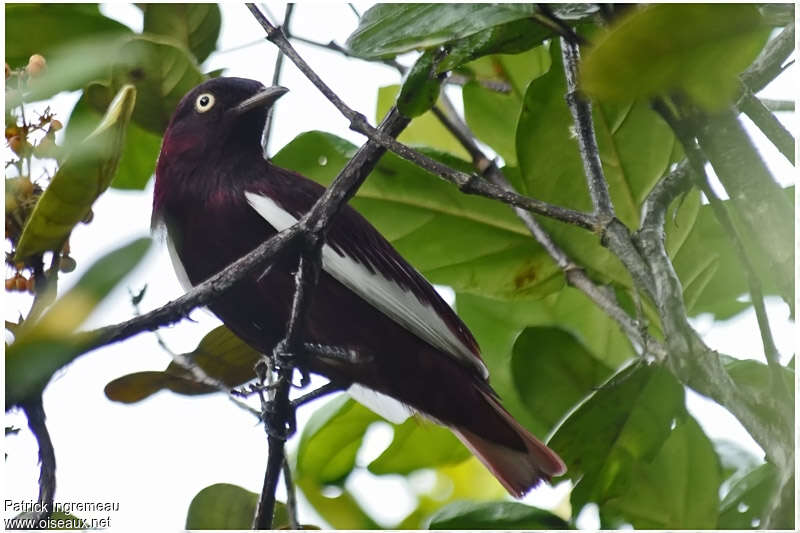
(337, 354)
(316, 393)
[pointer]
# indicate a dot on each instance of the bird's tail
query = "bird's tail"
(517, 470)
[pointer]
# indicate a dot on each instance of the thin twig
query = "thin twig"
(581, 111)
(276, 76)
(574, 274)
(468, 183)
(547, 18)
(354, 10)
(778, 106)
(291, 496)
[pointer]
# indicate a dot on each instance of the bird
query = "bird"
(219, 197)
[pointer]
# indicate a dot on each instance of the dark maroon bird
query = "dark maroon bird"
(219, 199)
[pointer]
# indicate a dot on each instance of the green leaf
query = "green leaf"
(511, 38)
(421, 86)
(553, 372)
(46, 28)
(81, 178)
(226, 506)
(678, 489)
(700, 48)
(43, 347)
(139, 153)
(494, 515)
(196, 26)
(390, 29)
(636, 149)
(419, 444)
(627, 420)
(497, 327)
(221, 355)
(748, 499)
(162, 74)
(424, 130)
(341, 511)
(493, 116)
(327, 450)
(470, 243)
(711, 272)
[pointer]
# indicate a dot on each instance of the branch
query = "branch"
(697, 162)
(767, 123)
(582, 115)
(468, 183)
(574, 274)
(768, 64)
(34, 411)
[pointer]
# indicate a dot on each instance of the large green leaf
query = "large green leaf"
(497, 326)
(711, 273)
(511, 38)
(226, 506)
(43, 347)
(340, 510)
(220, 354)
(419, 444)
(81, 178)
(196, 26)
(494, 515)
(626, 421)
(139, 153)
(553, 372)
(330, 440)
(700, 48)
(636, 149)
(162, 74)
(470, 243)
(391, 29)
(492, 116)
(46, 28)
(678, 489)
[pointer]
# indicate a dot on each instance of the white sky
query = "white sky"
(154, 456)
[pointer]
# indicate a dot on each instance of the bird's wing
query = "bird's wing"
(360, 258)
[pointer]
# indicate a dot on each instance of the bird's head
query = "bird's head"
(218, 118)
(217, 113)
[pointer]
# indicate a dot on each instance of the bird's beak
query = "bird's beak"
(263, 99)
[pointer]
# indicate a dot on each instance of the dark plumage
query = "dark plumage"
(219, 199)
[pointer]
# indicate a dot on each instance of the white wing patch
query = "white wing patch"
(392, 410)
(388, 297)
(177, 265)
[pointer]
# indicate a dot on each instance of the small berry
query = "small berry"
(11, 131)
(36, 65)
(46, 148)
(21, 283)
(55, 125)
(16, 143)
(11, 284)
(67, 265)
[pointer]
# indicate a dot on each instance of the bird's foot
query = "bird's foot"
(286, 427)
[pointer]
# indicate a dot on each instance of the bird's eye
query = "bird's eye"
(204, 102)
